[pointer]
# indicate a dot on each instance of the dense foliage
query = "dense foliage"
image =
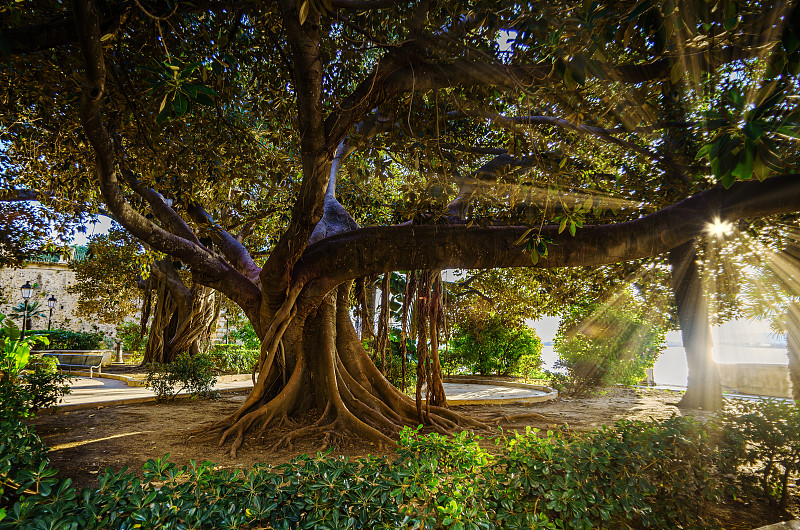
(133, 338)
(106, 281)
(766, 435)
(643, 474)
(497, 346)
(234, 358)
(63, 339)
(602, 344)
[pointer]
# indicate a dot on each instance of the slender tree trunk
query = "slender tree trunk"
(703, 389)
(793, 348)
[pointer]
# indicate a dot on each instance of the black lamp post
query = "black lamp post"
(51, 303)
(27, 290)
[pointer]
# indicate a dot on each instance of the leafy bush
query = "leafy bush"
(636, 474)
(764, 435)
(27, 383)
(247, 336)
(234, 358)
(497, 346)
(192, 373)
(133, 340)
(604, 345)
(42, 384)
(633, 475)
(62, 339)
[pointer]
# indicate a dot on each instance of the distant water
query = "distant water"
(671, 367)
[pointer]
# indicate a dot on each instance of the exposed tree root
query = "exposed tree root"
(498, 417)
(332, 373)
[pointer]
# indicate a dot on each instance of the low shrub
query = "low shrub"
(62, 339)
(234, 358)
(246, 334)
(192, 373)
(764, 435)
(604, 345)
(42, 384)
(637, 473)
(496, 345)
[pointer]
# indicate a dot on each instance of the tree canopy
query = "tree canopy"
(281, 150)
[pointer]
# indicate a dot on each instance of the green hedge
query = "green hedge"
(62, 339)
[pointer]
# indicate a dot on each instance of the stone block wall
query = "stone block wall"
(49, 279)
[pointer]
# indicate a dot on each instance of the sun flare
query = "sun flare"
(719, 228)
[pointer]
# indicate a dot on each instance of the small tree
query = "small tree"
(601, 344)
(497, 346)
(27, 313)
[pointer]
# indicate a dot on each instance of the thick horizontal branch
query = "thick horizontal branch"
(406, 247)
(234, 251)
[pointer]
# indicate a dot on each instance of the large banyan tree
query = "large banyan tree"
(358, 137)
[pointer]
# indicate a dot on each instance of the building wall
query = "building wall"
(49, 279)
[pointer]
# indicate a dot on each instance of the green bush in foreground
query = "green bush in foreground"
(634, 474)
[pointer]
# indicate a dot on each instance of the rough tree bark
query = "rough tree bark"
(327, 369)
(183, 320)
(703, 390)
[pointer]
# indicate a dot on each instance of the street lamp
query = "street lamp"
(51, 303)
(27, 290)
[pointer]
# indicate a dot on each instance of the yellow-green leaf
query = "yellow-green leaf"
(523, 237)
(303, 12)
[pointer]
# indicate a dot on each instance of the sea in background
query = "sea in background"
(738, 341)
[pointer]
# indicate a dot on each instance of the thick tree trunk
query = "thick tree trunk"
(330, 375)
(184, 320)
(793, 348)
(703, 389)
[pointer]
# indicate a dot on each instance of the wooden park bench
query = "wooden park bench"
(72, 361)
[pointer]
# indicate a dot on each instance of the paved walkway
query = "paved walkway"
(103, 391)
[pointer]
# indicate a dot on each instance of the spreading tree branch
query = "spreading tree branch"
(214, 271)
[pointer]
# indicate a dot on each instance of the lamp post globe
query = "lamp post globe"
(51, 303)
(27, 290)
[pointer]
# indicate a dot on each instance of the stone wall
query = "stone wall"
(48, 279)
(757, 379)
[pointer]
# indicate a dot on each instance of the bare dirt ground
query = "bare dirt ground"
(83, 443)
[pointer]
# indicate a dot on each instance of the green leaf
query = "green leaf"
(180, 104)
